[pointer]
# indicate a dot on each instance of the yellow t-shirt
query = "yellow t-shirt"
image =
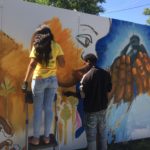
(42, 70)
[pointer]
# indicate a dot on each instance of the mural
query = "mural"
(122, 48)
(10, 87)
(126, 51)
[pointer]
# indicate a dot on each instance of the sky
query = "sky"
(128, 10)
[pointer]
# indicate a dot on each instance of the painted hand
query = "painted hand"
(121, 73)
(141, 73)
(128, 79)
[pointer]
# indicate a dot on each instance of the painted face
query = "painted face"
(135, 42)
(90, 32)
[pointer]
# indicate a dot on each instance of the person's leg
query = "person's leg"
(38, 96)
(102, 128)
(49, 95)
(90, 124)
(92, 145)
(48, 106)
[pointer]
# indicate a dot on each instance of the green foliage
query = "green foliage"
(148, 21)
(88, 6)
(45, 2)
(147, 12)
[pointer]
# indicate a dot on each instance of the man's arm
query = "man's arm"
(85, 83)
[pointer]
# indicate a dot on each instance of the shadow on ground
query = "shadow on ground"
(142, 144)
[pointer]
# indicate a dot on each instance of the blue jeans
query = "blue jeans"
(94, 124)
(43, 96)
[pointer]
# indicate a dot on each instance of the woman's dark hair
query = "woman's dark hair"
(42, 39)
(91, 58)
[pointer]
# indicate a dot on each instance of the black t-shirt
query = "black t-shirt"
(96, 85)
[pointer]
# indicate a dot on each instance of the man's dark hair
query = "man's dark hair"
(91, 58)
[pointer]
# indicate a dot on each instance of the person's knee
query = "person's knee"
(48, 110)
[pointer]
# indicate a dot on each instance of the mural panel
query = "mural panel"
(122, 48)
(126, 51)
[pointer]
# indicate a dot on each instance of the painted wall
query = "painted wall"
(122, 47)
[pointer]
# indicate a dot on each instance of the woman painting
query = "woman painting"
(45, 55)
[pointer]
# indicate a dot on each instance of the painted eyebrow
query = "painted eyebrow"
(90, 28)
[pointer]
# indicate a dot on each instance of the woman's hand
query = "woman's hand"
(24, 86)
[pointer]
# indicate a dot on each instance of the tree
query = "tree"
(88, 6)
(147, 12)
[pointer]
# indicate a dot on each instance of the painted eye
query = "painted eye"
(84, 39)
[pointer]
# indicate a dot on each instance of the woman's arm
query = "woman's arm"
(30, 69)
(61, 60)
